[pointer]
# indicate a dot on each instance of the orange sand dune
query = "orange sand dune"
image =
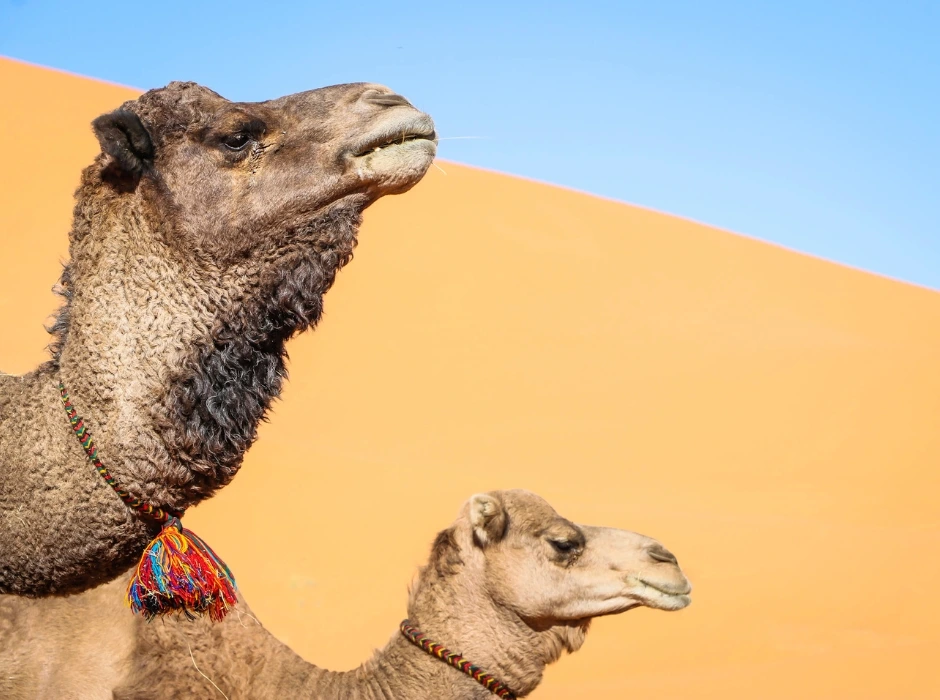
(771, 417)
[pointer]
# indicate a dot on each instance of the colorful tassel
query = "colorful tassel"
(178, 572)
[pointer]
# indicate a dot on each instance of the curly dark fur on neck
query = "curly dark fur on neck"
(223, 390)
(214, 405)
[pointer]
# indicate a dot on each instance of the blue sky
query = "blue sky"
(814, 125)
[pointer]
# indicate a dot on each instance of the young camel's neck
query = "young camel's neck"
(240, 657)
(400, 671)
(454, 612)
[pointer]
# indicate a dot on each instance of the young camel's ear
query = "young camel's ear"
(123, 137)
(488, 519)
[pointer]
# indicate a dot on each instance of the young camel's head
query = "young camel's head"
(545, 568)
(517, 584)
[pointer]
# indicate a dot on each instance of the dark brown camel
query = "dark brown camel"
(205, 235)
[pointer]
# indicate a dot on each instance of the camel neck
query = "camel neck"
(451, 608)
(400, 670)
(174, 362)
(129, 331)
(504, 649)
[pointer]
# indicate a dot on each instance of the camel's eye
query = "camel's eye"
(236, 142)
(564, 546)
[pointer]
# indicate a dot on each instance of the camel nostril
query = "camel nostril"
(384, 99)
(659, 553)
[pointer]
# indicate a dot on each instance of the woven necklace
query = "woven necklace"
(177, 572)
(416, 637)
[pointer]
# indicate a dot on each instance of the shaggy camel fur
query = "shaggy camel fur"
(510, 585)
(205, 235)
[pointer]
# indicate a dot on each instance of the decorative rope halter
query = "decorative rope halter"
(177, 572)
(416, 637)
(161, 515)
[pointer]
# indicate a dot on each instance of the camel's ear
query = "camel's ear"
(488, 519)
(123, 137)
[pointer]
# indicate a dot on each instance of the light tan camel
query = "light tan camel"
(510, 585)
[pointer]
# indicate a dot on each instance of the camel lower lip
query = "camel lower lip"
(400, 154)
(663, 600)
(677, 602)
(397, 167)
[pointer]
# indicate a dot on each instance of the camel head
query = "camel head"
(232, 176)
(546, 568)
(530, 580)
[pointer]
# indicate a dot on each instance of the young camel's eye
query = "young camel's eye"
(564, 546)
(236, 142)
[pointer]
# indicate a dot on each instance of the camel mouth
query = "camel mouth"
(396, 154)
(417, 129)
(397, 141)
(664, 596)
